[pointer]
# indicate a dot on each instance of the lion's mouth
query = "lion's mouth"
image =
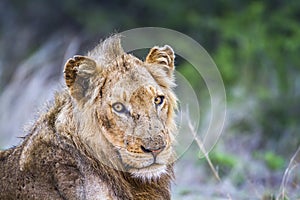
(154, 170)
(154, 165)
(145, 165)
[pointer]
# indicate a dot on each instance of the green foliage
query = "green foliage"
(255, 45)
(224, 161)
(257, 50)
(272, 160)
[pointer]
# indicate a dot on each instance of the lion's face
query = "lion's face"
(135, 117)
(134, 111)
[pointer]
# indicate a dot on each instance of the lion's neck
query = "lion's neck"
(157, 189)
(126, 186)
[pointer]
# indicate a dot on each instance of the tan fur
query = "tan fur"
(110, 135)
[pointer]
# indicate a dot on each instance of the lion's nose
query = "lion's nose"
(153, 151)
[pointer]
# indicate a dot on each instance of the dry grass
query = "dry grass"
(206, 155)
(294, 162)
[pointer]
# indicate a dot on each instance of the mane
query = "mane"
(107, 51)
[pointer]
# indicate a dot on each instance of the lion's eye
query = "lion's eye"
(159, 100)
(119, 107)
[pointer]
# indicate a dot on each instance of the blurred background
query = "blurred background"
(255, 44)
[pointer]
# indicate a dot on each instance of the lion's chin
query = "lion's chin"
(151, 172)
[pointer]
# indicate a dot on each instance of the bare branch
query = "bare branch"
(294, 162)
(205, 153)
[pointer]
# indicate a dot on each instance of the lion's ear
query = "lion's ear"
(163, 56)
(77, 72)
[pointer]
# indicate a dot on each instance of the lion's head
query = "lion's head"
(124, 107)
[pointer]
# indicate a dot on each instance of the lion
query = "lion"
(109, 134)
